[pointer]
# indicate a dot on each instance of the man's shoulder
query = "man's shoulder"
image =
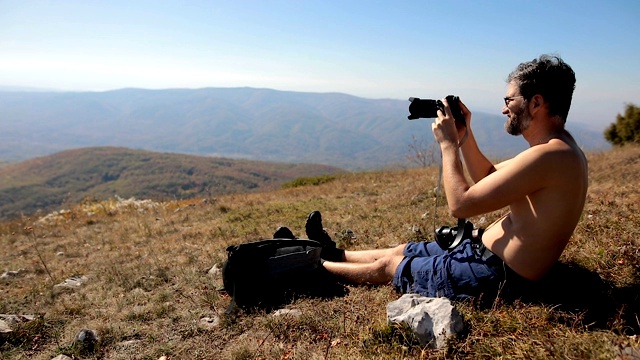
(554, 148)
(550, 158)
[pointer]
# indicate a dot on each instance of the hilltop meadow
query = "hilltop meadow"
(148, 291)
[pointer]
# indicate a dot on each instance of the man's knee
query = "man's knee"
(386, 266)
(399, 250)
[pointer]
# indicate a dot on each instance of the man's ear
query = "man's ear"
(536, 103)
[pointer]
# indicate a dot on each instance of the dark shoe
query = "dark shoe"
(316, 232)
(283, 232)
(332, 254)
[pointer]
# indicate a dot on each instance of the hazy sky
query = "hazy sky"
(372, 49)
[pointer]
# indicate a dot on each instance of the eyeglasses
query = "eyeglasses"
(509, 99)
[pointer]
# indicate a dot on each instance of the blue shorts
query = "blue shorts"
(431, 271)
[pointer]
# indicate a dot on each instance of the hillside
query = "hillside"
(70, 176)
(148, 291)
(258, 124)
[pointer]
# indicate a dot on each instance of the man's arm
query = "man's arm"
(494, 190)
(477, 164)
(513, 181)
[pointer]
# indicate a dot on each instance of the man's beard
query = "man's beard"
(519, 121)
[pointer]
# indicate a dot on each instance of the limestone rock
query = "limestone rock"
(12, 274)
(62, 357)
(288, 312)
(9, 322)
(215, 271)
(4, 327)
(628, 353)
(128, 344)
(71, 283)
(433, 320)
(209, 323)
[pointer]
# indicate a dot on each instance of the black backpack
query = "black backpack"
(263, 273)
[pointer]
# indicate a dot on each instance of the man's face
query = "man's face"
(517, 111)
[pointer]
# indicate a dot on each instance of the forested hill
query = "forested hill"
(68, 177)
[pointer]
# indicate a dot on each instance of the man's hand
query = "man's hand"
(467, 119)
(444, 126)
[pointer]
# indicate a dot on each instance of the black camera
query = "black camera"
(426, 108)
(449, 237)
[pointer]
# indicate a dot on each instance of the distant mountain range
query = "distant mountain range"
(259, 124)
(68, 177)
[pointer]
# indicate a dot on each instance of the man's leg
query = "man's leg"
(370, 256)
(380, 271)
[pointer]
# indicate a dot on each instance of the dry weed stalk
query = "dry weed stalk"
(31, 234)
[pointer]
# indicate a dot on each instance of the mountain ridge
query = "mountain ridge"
(249, 123)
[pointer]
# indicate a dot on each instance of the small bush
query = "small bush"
(305, 181)
(626, 129)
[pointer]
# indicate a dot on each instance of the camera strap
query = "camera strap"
(437, 194)
(464, 137)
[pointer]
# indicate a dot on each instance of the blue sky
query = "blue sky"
(371, 49)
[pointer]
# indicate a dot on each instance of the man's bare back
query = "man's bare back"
(531, 237)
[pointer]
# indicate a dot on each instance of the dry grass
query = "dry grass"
(148, 286)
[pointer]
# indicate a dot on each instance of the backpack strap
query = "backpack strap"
(232, 304)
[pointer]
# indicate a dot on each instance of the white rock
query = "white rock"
(433, 320)
(209, 323)
(73, 282)
(128, 343)
(216, 270)
(288, 312)
(12, 273)
(8, 322)
(61, 357)
(629, 353)
(4, 327)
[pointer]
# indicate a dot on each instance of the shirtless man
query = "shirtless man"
(544, 187)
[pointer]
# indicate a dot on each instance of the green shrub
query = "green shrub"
(305, 181)
(626, 129)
